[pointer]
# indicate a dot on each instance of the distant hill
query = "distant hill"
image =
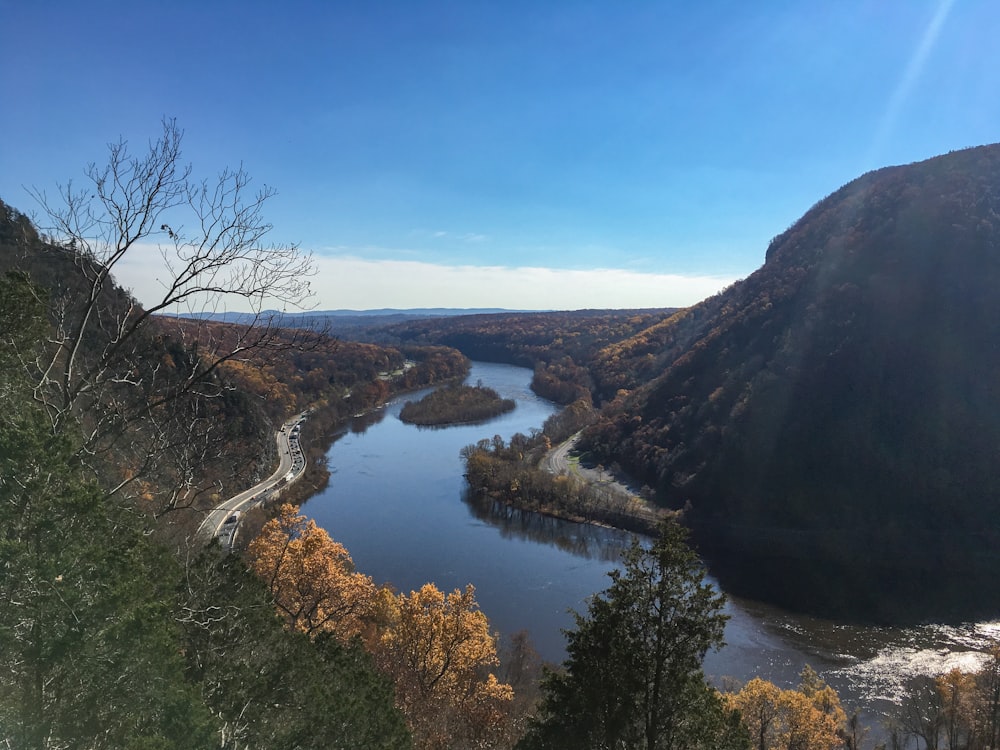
(422, 312)
(352, 323)
(832, 422)
(560, 346)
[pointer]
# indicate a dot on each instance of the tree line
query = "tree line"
(436, 648)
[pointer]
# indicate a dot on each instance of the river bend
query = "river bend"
(396, 499)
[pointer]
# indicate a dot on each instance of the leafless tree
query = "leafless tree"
(96, 371)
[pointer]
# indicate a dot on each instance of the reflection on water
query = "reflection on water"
(870, 666)
(582, 540)
(360, 423)
(395, 500)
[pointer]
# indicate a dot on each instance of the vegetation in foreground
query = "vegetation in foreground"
(456, 404)
(435, 648)
(109, 638)
(633, 675)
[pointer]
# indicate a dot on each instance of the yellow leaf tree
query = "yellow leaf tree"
(758, 704)
(810, 718)
(806, 726)
(960, 701)
(438, 649)
(312, 577)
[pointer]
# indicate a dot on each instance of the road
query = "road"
(223, 520)
(557, 462)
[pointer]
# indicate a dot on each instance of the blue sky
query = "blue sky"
(528, 155)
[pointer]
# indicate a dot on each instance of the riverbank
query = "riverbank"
(327, 422)
(560, 461)
(529, 475)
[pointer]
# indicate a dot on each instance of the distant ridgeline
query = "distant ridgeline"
(352, 324)
(833, 422)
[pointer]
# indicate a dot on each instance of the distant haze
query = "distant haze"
(357, 284)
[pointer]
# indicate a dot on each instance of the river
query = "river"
(396, 499)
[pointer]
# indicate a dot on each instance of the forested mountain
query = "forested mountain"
(560, 346)
(108, 639)
(172, 410)
(119, 626)
(103, 369)
(832, 422)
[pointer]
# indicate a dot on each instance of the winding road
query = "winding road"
(223, 521)
(557, 462)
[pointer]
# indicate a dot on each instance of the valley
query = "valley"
(396, 500)
(825, 429)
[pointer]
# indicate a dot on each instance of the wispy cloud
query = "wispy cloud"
(357, 283)
(346, 280)
(443, 234)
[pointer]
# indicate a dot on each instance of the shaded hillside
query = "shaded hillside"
(840, 407)
(180, 411)
(136, 397)
(630, 363)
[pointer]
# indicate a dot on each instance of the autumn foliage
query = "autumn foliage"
(957, 710)
(562, 347)
(436, 648)
(809, 718)
(312, 577)
(456, 404)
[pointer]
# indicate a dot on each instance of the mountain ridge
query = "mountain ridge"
(836, 409)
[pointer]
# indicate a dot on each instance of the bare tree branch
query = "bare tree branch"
(99, 370)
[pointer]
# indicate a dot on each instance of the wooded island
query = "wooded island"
(456, 404)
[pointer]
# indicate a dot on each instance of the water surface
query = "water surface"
(396, 499)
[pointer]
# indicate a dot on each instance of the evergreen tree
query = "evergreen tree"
(89, 651)
(271, 687)
(106, 642)
(633, 676)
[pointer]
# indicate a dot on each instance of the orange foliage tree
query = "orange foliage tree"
(960, 706)
(438, 650)
(810, 718)
(312, 577)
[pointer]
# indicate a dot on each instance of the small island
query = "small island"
(456, 404)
